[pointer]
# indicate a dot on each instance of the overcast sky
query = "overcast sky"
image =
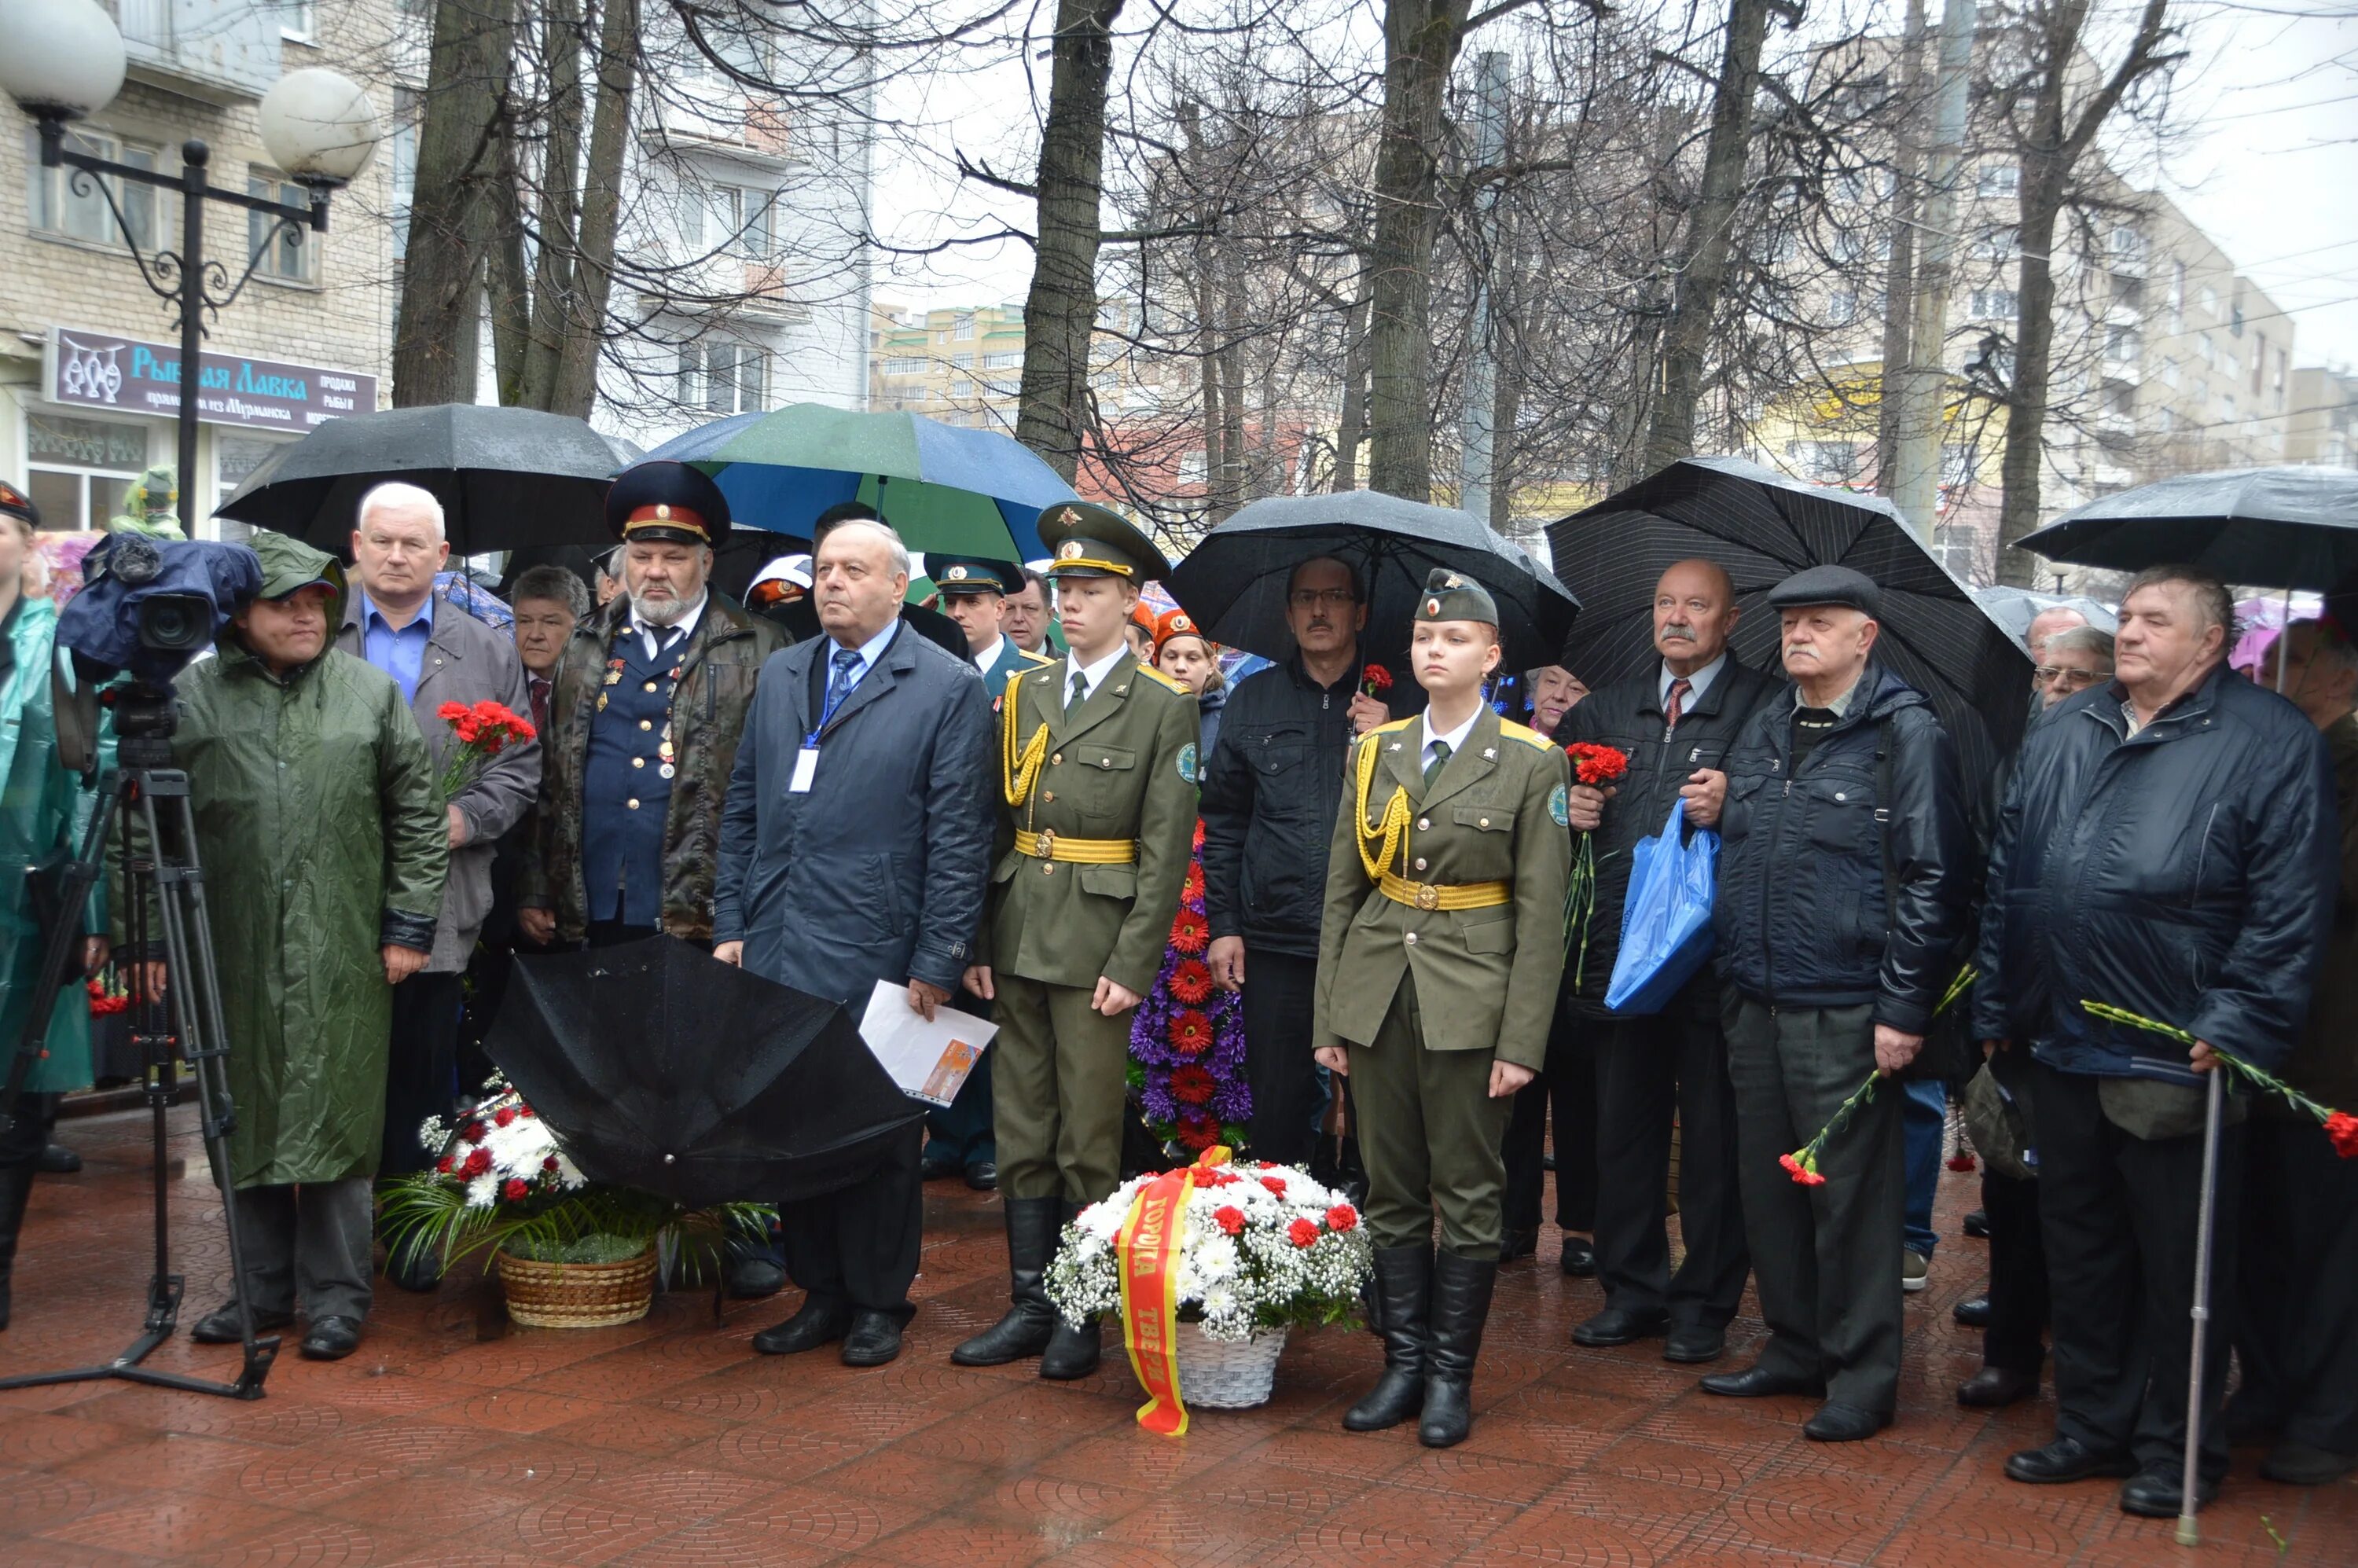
(2266, 159)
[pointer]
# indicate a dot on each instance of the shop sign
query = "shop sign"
(99, 369)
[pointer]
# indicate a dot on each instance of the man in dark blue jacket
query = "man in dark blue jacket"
(1842, 901)
(853, 850)
(2167, 847)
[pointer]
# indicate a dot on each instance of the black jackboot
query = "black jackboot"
(1403, 1318)
(16, 1191)
(1031, 1226)
(1461, 1305)
(1072, 1351)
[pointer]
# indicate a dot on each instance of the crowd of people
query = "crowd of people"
(1383, 868)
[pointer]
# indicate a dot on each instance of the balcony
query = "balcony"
(216, 51)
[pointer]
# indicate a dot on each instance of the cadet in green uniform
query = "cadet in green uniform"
(1098, 778)
(1438, 961)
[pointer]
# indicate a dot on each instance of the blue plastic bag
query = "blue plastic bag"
(1666, 931)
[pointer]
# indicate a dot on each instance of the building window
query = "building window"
(2123, 346)
(1842, 309)
(725, 378)
(61, 211)
(235, 458)
(2177, 297)
(1953, 543)
(286, 255)
(1995, 243)
(907, 364)
(2170, 373)
(740, 223)
(962, 326)
(1013, 360)
(81, 468)
(1827, 463)
(298, 19)
(1992, 304)
(1999, 180)
(1959, 463)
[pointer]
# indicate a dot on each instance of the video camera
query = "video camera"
(146, 608)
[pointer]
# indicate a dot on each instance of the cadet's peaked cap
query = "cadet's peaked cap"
(973, 574)
(668, 502)
(1828, 585)
(1085, 539)
(1454, 596)
(14, 503)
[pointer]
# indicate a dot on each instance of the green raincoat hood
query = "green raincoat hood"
(288, 563)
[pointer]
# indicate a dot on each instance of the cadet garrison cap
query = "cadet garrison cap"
(1828, 585)
(1454, 596)
(1177, 624)
(668, 502)
(1085, 539)
(973, 574)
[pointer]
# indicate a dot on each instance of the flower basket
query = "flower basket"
(578, 1295)
(1228, 1375)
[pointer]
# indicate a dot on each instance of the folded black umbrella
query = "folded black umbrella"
(507, 478)
(1762, 527)
(660, 1068)
(2295, 526)
(1234, 582)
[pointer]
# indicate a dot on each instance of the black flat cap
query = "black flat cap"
(1828, 585)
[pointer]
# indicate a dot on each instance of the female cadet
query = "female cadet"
(1439, 958)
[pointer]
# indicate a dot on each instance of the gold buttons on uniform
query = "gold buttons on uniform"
(650, 685)
(647, 723)
(638, 761)
(631, 804)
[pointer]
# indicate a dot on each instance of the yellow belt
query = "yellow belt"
(1424, 895)
(1086, 851)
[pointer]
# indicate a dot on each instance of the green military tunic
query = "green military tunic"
(1098, 817)
(1456, 964)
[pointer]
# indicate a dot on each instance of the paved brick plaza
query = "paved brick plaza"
(448, 1440)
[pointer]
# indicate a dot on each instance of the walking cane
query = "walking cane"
(2188, 1535)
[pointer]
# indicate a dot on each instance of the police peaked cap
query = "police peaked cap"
(973, 574)
(668, 502)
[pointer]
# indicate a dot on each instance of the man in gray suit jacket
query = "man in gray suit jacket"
(854, 848)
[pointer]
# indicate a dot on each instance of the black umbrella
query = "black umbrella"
(507, 478)
(2292, 526)
(660, 1068)
(1234, 582)
(1763, 527)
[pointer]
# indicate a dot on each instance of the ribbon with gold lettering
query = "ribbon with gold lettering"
(1146, 1251)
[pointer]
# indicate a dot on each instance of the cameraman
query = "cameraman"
(41, 808)
(324, 839)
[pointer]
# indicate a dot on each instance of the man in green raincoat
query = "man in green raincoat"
(43, 809)
(322, 832)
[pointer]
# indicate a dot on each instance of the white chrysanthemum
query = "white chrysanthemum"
(483, 1191)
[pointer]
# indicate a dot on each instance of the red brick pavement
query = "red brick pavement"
(449, 1439)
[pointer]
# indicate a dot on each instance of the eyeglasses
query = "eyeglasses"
(2077, 679)
(1317, 597)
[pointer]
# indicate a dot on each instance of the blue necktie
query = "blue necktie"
(838, 685)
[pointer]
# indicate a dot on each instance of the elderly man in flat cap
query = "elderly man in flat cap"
(1842, 901)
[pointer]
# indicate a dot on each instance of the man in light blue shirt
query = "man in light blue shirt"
(394, 640)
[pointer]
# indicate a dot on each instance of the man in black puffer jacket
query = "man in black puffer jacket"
(1675, 722)
(2168, 846)
(1843, 896)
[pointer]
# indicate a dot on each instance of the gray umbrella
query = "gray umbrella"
(2015, 608)
(508, 478)
(2288, 527)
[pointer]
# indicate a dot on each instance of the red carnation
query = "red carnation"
(1595, 765)
(1191, 1084)
(1962, 1161)
(451, 712)
(1230, 1218)
(478, 1163)
(1190, 982)
(1276, 1185)
(1190, 1032)
(2342, 1129)
(1802, 1174)
(1374, 680)
(514, 1189)
(1342, 1216)
(506, 1116)
(1302, 1232)
(1190, 933)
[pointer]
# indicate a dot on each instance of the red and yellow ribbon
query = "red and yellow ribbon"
(1146, 1253)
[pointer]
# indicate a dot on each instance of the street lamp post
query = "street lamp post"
(64, 60)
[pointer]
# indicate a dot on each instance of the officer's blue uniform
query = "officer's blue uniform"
(626, 783)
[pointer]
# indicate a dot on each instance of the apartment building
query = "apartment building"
(2322, 426)
(963, 365)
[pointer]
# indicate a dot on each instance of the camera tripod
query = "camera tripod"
(146, 789)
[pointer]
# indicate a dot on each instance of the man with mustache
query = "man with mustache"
(1675, 722)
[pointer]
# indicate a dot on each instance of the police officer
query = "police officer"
(973, 591)
(1439, 958)
(1097, 780)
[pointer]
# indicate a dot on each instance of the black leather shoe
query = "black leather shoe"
(1400, 1305)
(56, 1159)
(332, 1339)
(219, 1326)
(2069, 1459)
(1757, 1383)
(983, 1175)
(874, 1339)
(1580, 1257)
(1621, 1325)
(2299, 1464)
(1514, 1244)
(1974, 1311)
(1977, 1224)
(2156, 1493)
(749, 1278)
(1072, 1351)
(1842, 1424)
(816, 1324)
(1994, 1387)
(1694, 1344)
(933, 1167)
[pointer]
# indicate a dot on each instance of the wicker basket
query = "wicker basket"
(578, 1295)
(1223, 1375)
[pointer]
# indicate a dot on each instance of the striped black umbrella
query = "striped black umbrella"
(1763, 527)
(2293, 525)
